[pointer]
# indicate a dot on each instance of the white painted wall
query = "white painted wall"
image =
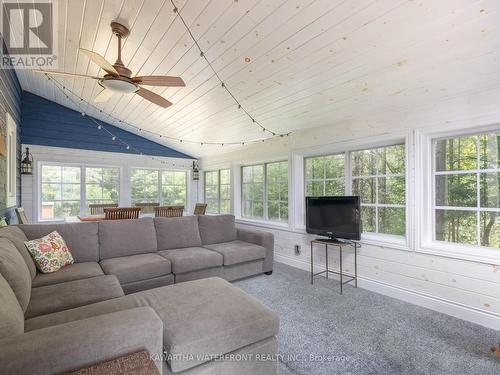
(467, 287)
(30, 193)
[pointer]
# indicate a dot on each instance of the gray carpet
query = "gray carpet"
(363, 332)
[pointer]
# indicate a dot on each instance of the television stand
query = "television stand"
(341, 245)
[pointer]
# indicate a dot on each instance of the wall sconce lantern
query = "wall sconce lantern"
(26, 162)
(196, 171)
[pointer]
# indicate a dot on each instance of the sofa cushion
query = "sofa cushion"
(238, 251)
(200, 318)
(136, 267)
(192, 259)
(76, 271)
(14, 269)
(58, 297)
(177, 232)
(216, 229)
(50, 252)
(81, 238)
(17, 237)
(119, 238)
(11, 314)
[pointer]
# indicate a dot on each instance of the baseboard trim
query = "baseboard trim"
(421, 299)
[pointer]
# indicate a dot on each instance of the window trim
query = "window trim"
(219, 184)
(84, 183)
(265, 218)
(378, 205)
(83, 198)
(425, 198)
(375, 238)
(160, 184)
(381, 140)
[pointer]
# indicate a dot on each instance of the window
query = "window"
(102, 185)
(325, 175)
(466, 190)
(153, 186)
(60, 191)
(145, 186)
(253, 191)
(265, 191)
(378, 177)
(218, 191)
(277, 191)
(173, 188)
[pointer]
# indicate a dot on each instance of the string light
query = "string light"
(101, 127)
(202, 54)
(64, 89)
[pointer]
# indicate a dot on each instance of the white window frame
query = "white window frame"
(376, 177)
(265, 218)
(324, 180)
(425, 226)
(11, 177)
(84, 169)
(83, 198)
(379, 239)
(219, 185)
(160, 182)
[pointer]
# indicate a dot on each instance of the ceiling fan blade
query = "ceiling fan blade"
(55, 72)
(153, 98)
(103, 96)
(159, 81)
(101, 61)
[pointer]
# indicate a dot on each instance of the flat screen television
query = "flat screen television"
(334, 217)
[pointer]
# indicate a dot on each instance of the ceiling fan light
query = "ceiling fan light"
(119, 85)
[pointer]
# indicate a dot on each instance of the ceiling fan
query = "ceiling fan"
(118, 77)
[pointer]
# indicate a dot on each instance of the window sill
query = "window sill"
(463, 252)
(264, 223)
(385, 240)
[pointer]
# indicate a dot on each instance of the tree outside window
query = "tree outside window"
(60, 191)
(325, 175)
(102, 185)
(218, 191)
(466, 189)
(378, 177)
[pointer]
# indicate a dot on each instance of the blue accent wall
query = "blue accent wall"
(47, 123)
(10, 101)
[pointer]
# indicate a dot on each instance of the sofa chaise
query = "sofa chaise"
(118, 297)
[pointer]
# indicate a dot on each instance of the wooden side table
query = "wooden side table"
(341, 273)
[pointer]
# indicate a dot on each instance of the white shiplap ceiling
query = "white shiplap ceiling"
(294, 64)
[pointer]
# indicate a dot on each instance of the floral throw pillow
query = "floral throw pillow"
(50, 253)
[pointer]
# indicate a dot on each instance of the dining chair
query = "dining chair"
(98, 208)
(121, 213)
(169, 211)
(147, 207)
(21, 216)
(200, 209)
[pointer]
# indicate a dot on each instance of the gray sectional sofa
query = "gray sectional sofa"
(117, 298)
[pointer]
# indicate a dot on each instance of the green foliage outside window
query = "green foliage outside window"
(102, 185)
(265, 191)
(60, 192)
(325, 175)
(218, 191)
(277, 191)
(163, 187)
(467, 189)
(378, 177)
